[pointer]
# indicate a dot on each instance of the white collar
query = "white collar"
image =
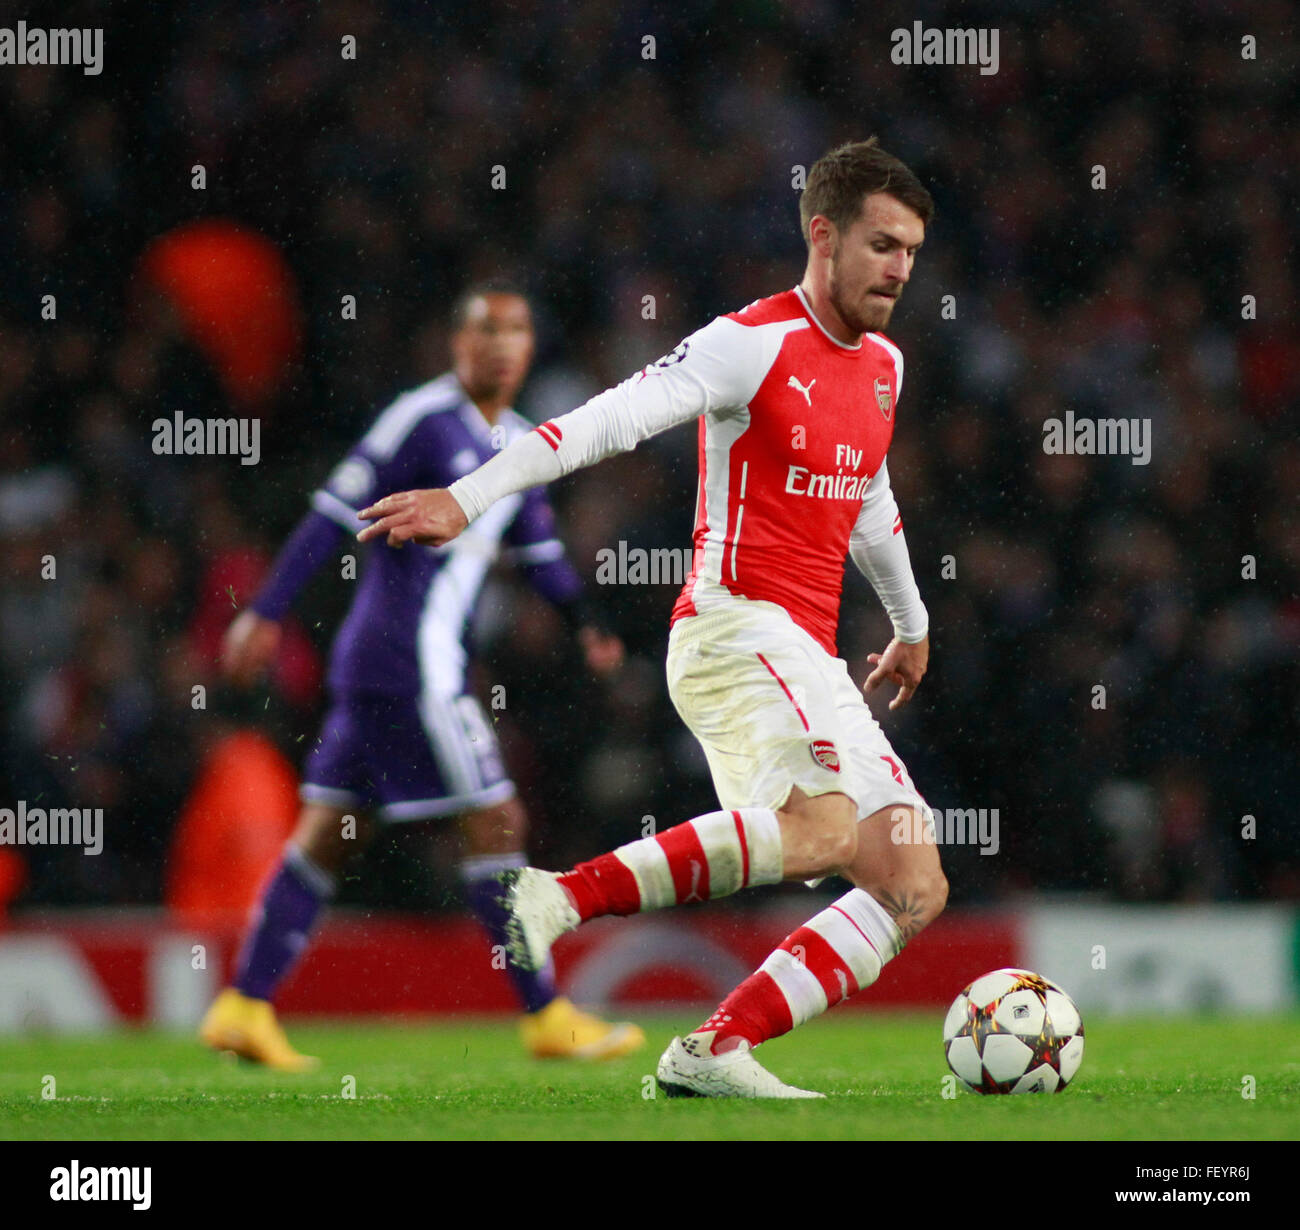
(798, 290)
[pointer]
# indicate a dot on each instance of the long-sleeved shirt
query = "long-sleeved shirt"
(794, 427)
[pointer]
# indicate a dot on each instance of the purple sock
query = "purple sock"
(290, 903)
(535, 990)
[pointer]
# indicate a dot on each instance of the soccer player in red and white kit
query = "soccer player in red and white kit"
(796, 397)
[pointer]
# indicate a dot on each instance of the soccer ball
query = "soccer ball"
(1013, 1031)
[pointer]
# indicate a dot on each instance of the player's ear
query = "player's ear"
(821, 232)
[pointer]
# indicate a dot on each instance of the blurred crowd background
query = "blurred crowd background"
(671, 177)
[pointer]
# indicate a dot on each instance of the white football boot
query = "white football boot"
(687, 1069)
(539, 914)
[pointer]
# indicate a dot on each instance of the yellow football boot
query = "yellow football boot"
(249, 1028)
(560, 1031)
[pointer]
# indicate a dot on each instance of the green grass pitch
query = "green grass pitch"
(1140, 1080)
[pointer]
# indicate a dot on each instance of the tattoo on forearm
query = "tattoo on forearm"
(906, 910)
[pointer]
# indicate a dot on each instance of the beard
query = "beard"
(868, 317)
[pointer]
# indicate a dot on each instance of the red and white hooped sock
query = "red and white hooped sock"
(701, 860)
(829, 958)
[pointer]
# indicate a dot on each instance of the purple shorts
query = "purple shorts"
(406, 757)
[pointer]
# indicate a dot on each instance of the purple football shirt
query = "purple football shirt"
(407, 629)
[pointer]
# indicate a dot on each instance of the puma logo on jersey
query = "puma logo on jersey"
(806, 390)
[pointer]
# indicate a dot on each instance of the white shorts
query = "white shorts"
(773, 710)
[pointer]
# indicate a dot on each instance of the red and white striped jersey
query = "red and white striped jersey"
(783, 476)
(793, 431)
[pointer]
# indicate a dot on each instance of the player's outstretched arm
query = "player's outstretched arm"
(430, 516)
(253, 638)
(716, 369)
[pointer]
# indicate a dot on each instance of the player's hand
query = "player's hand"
(902, 664)
(249, 647)
(430, 517)
(603, 650)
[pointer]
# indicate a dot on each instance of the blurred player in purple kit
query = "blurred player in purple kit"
(403, 739)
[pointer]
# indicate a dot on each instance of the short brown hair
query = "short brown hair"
(840, 181)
